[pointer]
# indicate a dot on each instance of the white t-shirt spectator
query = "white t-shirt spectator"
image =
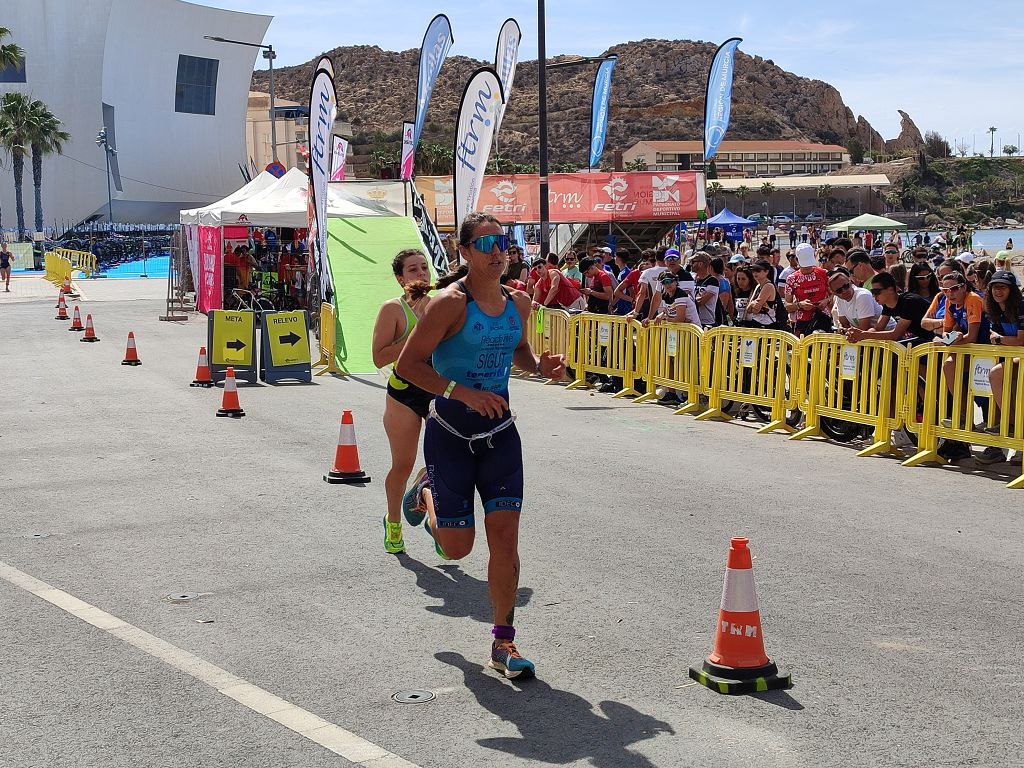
(650, 277)
(771, 231)
(861, 306)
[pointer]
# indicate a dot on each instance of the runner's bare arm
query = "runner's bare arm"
(443, 315)
(385, 330)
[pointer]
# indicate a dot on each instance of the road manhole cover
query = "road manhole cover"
(413, 697)
(182, 597)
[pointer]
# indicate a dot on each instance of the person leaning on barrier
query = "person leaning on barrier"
(1003, 306)
(807, 293)
(854, 307)
(623, 295)
(627, 294)
(554, 289)
(964, 323)
(677, 304)
(904, 308)
(707, 289)
(597, 285)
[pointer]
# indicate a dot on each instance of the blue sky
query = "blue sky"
(955, 67)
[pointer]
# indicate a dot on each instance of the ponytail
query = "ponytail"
(452, 277)
(416, 290)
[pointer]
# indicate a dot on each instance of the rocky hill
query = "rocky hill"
(657, 93)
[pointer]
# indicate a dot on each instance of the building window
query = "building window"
(787, 168)
(773, 156)
(748, 156)
(13, 74)
(787, 155)
(195, 90)
(798, 155)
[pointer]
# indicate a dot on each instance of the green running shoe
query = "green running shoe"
(412, 507)
(393, 543)
(437, 546)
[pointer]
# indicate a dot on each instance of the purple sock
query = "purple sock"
(502, 632)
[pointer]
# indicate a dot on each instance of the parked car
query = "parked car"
(760, 218)
(814, 218)
(782, 218)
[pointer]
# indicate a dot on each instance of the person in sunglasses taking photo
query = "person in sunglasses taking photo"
(462, 351)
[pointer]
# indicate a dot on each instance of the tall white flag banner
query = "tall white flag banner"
(323, 108)
(436, 42)
(474, 132)
(407, 150)
(506, 55)
(338, 156)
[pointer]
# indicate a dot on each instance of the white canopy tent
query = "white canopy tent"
(280, 204)
(254, 187)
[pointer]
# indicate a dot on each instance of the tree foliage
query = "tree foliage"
(856, 150)
(936, 146)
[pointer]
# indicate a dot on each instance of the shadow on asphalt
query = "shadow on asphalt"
(780, 699)
(558, 727)
(463, 596)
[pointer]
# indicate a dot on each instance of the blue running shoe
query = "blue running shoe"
(412, 506)
(506, 659)
(437, 546)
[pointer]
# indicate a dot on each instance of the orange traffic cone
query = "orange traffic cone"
(62, 308)
(203, 378)
(90, 332)
(76, 322)
(738, 663)
(60, 300)
(66, 288)
(346, 457)
(229, 405)
(131, 355)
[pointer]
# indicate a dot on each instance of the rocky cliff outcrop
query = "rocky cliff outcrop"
(657, 93)
(910, 137)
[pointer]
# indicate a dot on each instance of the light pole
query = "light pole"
(102, 143)
(269, 55)
(542, 87)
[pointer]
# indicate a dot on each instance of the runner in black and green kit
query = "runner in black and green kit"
(462, 351)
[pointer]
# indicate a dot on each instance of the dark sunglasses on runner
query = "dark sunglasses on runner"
(486, 243)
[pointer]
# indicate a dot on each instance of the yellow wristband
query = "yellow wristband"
(449, 389)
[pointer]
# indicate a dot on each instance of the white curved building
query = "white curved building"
(174, 104)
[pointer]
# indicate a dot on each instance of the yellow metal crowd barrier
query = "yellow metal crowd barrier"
(328, 342)
(862, 383)
(548, 331)
(935, 412)
(749, 365)
(607, 345)
(58, 267)
(82, 261)
(674, 354)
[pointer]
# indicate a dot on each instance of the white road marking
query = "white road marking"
(328, 735)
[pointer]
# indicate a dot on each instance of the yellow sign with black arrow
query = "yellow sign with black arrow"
(288, 338)
(233, 334)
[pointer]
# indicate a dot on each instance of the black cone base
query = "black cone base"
(89, 340)
(131, 362)
(734, 681)
(234, 413)
(349, 478)
(198, 383)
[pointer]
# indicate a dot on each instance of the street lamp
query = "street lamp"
(102, 143)
(269, 55)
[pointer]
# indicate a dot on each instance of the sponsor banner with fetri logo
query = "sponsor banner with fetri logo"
(576, 197)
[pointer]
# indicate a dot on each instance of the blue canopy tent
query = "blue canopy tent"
(731, 224)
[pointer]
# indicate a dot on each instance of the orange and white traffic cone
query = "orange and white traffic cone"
(60, 300)
(229, 404)
(131, 355)
(346, 457)
(738, 663)
(62, 308)
(76, 322)
(203, 378)
(90, 332)
(66, 288)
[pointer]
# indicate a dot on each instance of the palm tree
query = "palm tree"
(767, 190)
(715, 188)
(15, 123)
(825, 193)
(45, 137)
(741, 193)
(10, 53)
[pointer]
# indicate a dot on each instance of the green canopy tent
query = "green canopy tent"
(866, 221)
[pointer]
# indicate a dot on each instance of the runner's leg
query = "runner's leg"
(402, 426)
(451, 467)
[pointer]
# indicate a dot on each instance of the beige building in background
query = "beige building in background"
(741, 158)
(292, 131)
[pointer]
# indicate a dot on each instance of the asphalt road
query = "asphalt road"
(893, 594)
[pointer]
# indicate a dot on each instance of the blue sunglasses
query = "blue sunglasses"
(486, 243)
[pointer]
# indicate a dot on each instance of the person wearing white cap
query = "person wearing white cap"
(807, 293)
(965, 258)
